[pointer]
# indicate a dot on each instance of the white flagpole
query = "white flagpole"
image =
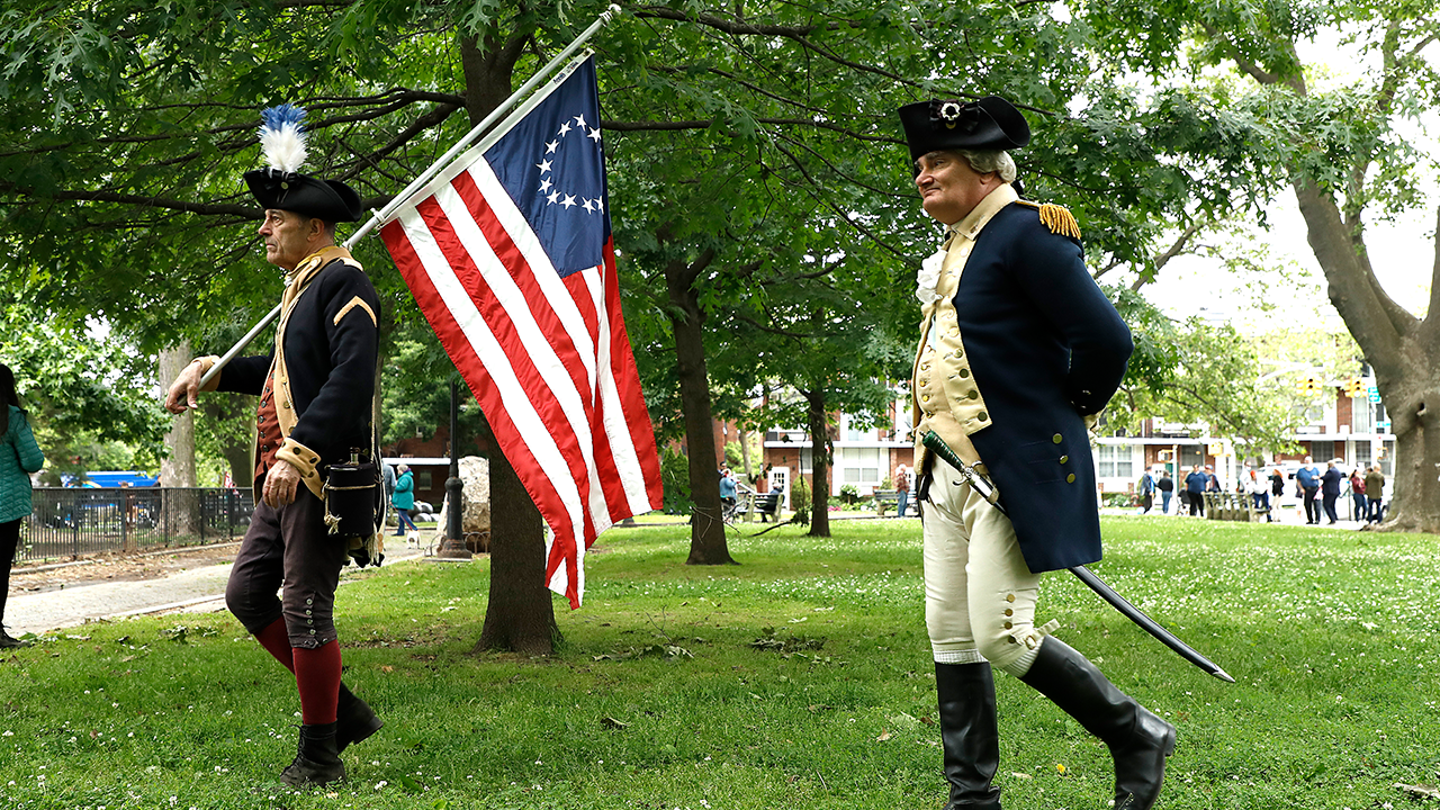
(479, 129)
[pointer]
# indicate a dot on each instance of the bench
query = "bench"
(766, 504)
(886, 499)
(1232, 506)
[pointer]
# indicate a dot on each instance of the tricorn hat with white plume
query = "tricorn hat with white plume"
(281, 186)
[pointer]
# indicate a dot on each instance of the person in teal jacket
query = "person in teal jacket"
(404, 499)
(19, 456)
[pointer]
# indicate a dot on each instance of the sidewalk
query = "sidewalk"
(195, 590)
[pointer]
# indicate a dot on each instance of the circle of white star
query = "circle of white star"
(553, 195)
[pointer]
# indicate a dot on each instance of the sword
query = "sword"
(980, 484)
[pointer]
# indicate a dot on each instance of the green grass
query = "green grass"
(657, 698)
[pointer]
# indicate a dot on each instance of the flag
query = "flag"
(509, 254)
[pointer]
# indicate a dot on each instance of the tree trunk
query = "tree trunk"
(1403, 350)
(182, 513)
(707, 529)
(821, 451)
(745, 456)
(520, 615)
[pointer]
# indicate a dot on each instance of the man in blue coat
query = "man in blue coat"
(1019, 351)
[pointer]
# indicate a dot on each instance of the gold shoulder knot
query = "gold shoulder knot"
(1056, 217)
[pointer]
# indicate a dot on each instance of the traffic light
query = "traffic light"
(1354, 387)
(1308, 385)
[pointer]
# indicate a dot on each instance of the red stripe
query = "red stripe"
(533, 382)
(477, 378)
(627, 381)
(513, 261)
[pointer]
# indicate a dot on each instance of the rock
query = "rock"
(475, 517)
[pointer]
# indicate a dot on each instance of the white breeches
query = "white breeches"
(979, 594)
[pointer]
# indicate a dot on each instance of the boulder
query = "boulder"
(475, 516)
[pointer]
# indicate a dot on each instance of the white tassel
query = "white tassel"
(283, 137)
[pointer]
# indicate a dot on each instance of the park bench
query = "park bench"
(1232, 506)
(887, 499)
(766, 504)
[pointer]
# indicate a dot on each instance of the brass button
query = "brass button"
(964, 373)
(1009, 612)
(1057, 438)
(924, 397)
(925, 366)
(924, 381)
(1070, 479)
(982, 416)
(1064, 459)
(1009, 625)
(1009, 597)
(972, 394)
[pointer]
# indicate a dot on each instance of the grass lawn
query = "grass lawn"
(799, 679)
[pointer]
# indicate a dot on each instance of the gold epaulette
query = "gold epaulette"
(1057, 218)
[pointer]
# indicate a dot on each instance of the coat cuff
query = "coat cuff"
(303, 459)
(206, 363)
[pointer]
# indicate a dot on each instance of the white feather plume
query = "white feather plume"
(283, 137)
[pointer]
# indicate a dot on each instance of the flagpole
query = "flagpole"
(429, 174)
(480, 128)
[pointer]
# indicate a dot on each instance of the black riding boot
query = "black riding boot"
(968, 733)
(318, 762)
(1139, 741)
(354, 720)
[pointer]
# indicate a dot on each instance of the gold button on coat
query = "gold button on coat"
(964, 372)
(1057, 438)
(1070, 479)
(1064, 459)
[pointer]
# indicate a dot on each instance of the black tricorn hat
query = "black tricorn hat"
(330, 200)
(990, 123)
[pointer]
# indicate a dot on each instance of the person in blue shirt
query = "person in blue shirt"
(727, 489)
(1309, 480)
(404, 500)
(1195, 485)
(1019, 351)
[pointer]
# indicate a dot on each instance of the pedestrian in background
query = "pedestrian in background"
(1308, 479)
(902, 488)
(1375, 493)
(1259, 489)
(1357, 494)
(1277, 487)
(1166, 485)
(404, 500)
(19, 456)
(1146, 488)
(1330, 489)
(1195, 485)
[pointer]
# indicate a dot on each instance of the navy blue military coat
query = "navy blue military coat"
(1047, 348)
(330, 348)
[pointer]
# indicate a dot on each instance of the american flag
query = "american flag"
(508, 253)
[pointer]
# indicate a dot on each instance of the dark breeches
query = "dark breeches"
(288, 546)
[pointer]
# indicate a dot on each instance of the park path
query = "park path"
(198, 589)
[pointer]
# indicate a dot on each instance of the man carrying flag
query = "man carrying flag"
(322, 365)
(509, 254)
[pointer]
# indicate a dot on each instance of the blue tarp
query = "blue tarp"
(113, 478)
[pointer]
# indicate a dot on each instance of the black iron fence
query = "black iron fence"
(74, 522)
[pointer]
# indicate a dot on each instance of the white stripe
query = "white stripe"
(533, 431)
(541, 267)
(508, 294)
(616, 426)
